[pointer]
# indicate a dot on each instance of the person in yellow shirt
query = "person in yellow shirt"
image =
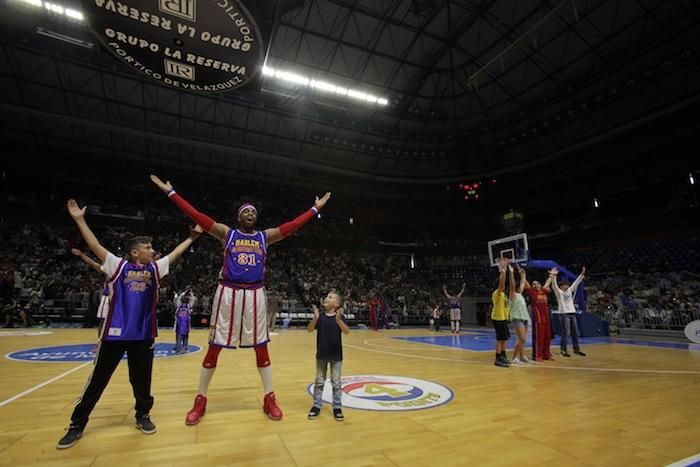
(501, 312)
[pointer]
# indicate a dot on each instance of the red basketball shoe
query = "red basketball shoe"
(271, 408)
(197, 412)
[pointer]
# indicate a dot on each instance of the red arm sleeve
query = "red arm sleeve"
(288, 228)
(202, 219)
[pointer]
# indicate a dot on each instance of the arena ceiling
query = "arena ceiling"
(474, 89)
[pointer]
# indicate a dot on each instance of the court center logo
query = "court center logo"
(387, 393)
(83, 353)
(692, 331)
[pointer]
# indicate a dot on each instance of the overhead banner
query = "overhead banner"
(196, 45)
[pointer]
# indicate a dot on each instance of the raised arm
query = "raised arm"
(461, 292)
(578, 281)
(87, 260)
(444, 290)
(341, 323)
(502, 264)
(312, 324)
(182, 247)
(511, 283)
(523, 280)
(78, 215)
(553, 279)
(546, 287)
(276, 234)
(213, 228)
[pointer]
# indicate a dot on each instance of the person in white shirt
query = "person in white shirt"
(567, 311)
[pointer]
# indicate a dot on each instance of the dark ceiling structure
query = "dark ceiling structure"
(601, 94)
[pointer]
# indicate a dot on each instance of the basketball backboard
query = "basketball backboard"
(514, 247)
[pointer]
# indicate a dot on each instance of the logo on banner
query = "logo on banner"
(83, 353)
(387, 393)
(179, 70)
(209, 46)
(182, 8)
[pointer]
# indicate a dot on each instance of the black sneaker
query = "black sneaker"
(501, 362)
(70, 438)
(578, 352)
(338, 414)
(564, 353)
(145, 424)
(313, 413)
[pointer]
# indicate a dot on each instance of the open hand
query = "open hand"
(553, 272)
(75, 211)
(319, 203)
(166, 187)
(314, 308)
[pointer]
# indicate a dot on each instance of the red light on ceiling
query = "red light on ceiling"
(466, 197)
(493, 180)
(476, 185)
(477, 196)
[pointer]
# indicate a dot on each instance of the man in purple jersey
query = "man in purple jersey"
(239, 307)
(130, 325)
(182, 325)
(455, 308)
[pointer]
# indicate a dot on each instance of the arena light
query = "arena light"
(64, 38)
(352, 221)
(691, 179)
(596, 204)
(55, 8)
(323, 86)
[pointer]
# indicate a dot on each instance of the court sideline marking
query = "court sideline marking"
(691, 461)
(538, 366)
(45, 383)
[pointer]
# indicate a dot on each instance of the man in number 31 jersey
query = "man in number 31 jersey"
(239, 307)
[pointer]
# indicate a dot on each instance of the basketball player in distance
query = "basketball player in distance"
(539, 300)
(436, 318)
(500, 312)
(239, 307)
(519, 315)
(567, 311)
(455, 308)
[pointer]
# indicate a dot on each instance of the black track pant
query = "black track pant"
(140, 359)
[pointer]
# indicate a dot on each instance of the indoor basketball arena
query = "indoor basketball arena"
(349, 233)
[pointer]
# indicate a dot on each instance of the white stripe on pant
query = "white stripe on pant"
(239, 317)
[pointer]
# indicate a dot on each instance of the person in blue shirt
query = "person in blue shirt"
(329, 351)
(130, 325)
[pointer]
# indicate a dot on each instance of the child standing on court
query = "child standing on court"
(500, 312)
(131, 324)
(329, 351)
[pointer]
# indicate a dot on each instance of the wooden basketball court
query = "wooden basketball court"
(620, 405)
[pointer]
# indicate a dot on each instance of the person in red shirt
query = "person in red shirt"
(543, 327)
(374, 305)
